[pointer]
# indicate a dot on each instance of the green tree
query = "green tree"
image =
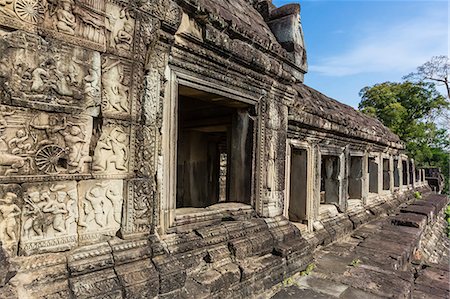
(409, 109)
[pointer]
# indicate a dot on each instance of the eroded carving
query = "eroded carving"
(116, 86)
(111, 153)
(49, 75)
(10, 211)
(49, 217)
(138, 207)
(120, 25)
(34, 142)
(100, 209)
(151, 98)
(65, 19)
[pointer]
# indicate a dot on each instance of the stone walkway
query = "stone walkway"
(381, 259)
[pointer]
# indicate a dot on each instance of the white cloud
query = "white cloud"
(400, 46)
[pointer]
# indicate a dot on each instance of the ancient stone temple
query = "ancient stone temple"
(169, 148)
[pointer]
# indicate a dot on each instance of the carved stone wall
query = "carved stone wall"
(85, 92)
(79, 121)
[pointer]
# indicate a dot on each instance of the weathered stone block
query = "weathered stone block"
(129, 251)
(90, 258)
(172, 275)
(99, 284)
(410, 219)
(429, 212)
(241, 248)
(139, 279)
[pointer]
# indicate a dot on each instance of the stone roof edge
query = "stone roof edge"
(318, 121)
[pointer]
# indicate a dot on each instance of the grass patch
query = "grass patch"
(355, 263)
(308, 269)
(418, 195)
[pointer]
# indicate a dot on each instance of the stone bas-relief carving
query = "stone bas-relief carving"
(137, 216)
(50, 75)
(10, 211)
(111, 155)
(85, 88)
(116, 79)
(33, 142)
(73, 21)
(49, 217)
(100, 209)
(120, 25)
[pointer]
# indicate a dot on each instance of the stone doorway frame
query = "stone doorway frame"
(301, 145)
(167, 168)
(364, 176)
(341, 154)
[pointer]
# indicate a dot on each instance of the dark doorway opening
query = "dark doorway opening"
(329, 180)
(373, 175)
(298, 186)
(404, 173)
(355, 178)
(386, 174)
(214, 149)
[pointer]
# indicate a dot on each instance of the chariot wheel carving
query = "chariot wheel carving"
(30, 11)
(48, 159)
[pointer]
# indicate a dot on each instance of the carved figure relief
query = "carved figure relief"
(43, 143)
(115, 85)
(83, 23)
(49, 76)
(111, 154)
(9, 159)
(46, 217)
(9, 221)
(100, 209)
(65, 20)
(120, 25)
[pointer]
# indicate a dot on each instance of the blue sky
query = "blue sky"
(353, 44)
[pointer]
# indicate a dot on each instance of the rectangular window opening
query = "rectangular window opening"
(355, 178)
(396, 174)
(214, 150)
(373, 175)
(298, 186)
(404, 173)
(386, 174)
(329, 180)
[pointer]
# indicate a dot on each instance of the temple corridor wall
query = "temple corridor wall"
(80, 119)
(90, 97)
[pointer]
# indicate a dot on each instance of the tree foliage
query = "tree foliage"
(407, 108)
(410, 110)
